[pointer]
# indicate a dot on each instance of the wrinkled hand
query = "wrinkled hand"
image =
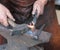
(39, 6)
(4, 13)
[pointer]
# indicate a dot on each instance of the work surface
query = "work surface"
(21, 40)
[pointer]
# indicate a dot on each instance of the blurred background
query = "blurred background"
(57, 5)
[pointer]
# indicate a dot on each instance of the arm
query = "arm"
(39, 6)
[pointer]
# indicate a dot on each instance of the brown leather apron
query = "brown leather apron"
(21, 9)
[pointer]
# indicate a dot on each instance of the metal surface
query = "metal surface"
(18, 28)
(37, 34)
(24, 41)
(21, 39)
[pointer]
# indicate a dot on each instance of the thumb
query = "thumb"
(10, 15)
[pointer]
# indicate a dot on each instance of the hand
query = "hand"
(4, 13)
(39, 6)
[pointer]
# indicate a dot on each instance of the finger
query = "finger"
(42, 11)
(5, 22)
(34, 10)
(38, 11)
(10, 15)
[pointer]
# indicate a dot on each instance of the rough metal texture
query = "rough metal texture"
(19, 28)
(22, 42)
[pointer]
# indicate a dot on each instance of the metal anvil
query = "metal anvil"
(17, 29)
(25, 41)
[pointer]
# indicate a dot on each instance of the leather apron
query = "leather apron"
(21, 9)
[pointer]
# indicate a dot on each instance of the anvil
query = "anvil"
(19, 29)
(19, 37)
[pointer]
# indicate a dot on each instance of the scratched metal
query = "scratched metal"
(21, 39)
